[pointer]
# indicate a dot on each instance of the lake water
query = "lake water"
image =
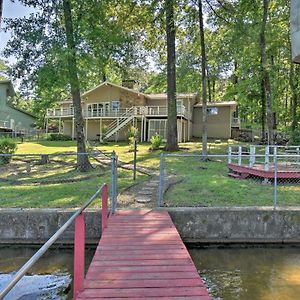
(230, 273)
(38, 285)
(250, 273)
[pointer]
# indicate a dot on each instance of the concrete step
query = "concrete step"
(142, 199)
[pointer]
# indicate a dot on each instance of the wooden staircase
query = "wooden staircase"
(119, 123)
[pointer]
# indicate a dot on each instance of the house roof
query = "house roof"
(21, 110)
(164, 96)
(161, 96)
(11, 93)
(106, 83)
(10, 87)
(223, 103)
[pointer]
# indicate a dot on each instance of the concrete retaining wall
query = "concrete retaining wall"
(35, 226)
(198, 225)
(237, 225)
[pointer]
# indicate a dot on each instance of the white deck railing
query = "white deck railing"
(137, 110)
(262, 155)
(235, 122)
(4, 124)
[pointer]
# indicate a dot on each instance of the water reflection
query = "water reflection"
(57, 261)
(250, 273)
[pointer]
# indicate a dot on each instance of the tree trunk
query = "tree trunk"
(82, 160)
(1, 10)
(172, 143)
(263, 111)
(235, 79)
(204, 87)
(286, 107)
(294, 98)
(209, 88)
(265, 74)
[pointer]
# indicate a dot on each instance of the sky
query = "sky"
(12, 10)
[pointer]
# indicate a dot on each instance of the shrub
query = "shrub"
(58, 137)
(295, 137)
(7, 146)
(89, 148)
(156, 141)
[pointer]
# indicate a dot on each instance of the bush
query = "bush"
(58, 137)
(295, 137)
(156, 141)
(7, 146)
(89, 148)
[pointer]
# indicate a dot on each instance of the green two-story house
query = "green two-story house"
(13, 119)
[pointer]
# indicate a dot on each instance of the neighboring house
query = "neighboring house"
(109, 110)
(13, 119)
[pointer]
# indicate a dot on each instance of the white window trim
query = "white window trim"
(112, 105)
(210, 109)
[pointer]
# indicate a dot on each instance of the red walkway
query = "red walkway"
(141, 256)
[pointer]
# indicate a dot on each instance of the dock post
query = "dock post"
(275, 178)
(104, 208)
(240, 156)
(161, 181)
(79, 247)
(267, 158)
(113, 182)
(252, 156)
(229, 155)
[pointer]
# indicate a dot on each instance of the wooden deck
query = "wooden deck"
(283, 172)
(141, 256)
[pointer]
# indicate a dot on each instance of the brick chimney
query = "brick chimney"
(131, 84)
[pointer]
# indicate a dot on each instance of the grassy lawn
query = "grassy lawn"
(46, 147)
(57, 184)
(202, 183)
(61, 194)
(207, 184)
(144, 156)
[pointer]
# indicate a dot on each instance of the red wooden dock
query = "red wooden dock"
(141, 256)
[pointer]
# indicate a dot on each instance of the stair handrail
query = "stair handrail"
(79, 244)
(113, 125)
(125, 115)
(116, 128)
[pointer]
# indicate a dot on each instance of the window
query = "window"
(212, 111)
(158, 126)
(115, 105)
(180, 106)
(98, 109)
(179, 103)
(95, 110)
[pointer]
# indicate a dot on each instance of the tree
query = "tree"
(294, 86)
(204, 83)
(172, 144)
(42, 40)
(4, 69)
(82, 160)
(266, 91)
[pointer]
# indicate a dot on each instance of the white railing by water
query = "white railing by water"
(261, 154)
